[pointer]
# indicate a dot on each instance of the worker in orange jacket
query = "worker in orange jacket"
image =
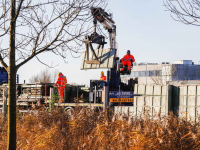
(61, 82)
(127, 60)
(103, 77)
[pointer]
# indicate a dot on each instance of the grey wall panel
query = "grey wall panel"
(191, 101)
(184, 98)
(117, 109)
(149, 89)
(156, 101)
(163, 110)
(189, 104)
(141, 89)
(139, 110)
(182, 90)
(182, 111)
(163, 101)
(125, 110)
(185, 90)
(191, 112)
(106, 56)
(198, 107)
(198, 101)
(164, 90)
(181, 101)
(191, 108)
(135, 108)
(157, 90)
(191, 90)
(156, 111)
(148, 101)
(198, 90)
(136, 89)
(140, 101)
(131, 111)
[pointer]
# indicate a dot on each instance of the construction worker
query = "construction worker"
(61, 82)
(127, 60)
(102, 76)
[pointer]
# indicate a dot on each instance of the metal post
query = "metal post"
(21, 93)
(45, 90)
(91, 92)
(119, 96)
(51, 93)
(110, 39)
(5, 102)
(105, 102)
(95, 94)
(146, 73)
(77, 92)
(64, 94)
(107, 91)
(35, 90)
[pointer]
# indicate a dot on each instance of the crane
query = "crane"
(115, 88)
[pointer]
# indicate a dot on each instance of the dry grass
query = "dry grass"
(100, 131)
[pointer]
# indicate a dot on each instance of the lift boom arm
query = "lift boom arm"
(99, 15)
(106, 20)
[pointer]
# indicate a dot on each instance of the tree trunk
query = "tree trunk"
(11, 145)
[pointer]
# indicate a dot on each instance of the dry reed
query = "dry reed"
(86, 129)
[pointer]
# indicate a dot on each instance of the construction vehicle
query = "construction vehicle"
(112, 92)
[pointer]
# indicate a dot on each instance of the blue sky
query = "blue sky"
(145, 28)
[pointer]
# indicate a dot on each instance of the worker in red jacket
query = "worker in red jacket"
(127, 60)
(61, 82)
(103, 77)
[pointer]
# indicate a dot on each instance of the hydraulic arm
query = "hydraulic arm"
(99, 15)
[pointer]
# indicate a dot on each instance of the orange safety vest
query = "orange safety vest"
(103, 78)
(128, 58)
(62, 80)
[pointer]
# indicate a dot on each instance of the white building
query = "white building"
(182, 71)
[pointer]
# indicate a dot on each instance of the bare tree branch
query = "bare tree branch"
(3, 62)
(18, 9)
(185, 11)
(47, 76)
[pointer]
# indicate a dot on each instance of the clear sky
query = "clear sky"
(145, 28)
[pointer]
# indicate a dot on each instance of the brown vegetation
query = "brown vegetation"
(90, 130)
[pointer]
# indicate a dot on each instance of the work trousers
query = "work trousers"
(61, 90)
(128, 63)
